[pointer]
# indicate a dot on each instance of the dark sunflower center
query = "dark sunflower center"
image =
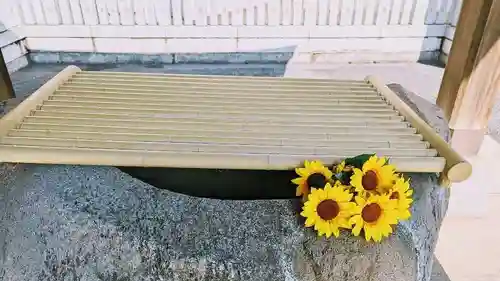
(328, 209)
(394, 195)
(370, 180)
(316, 180)
(371, 212)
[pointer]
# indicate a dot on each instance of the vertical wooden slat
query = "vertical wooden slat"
(287, 12)
(102, 12)
(451, 12)
(432, 10)
(370, 11)
(76, 11)
(65, 11)
(456, 12)
(149, 13)
(396, 11)
(323, 9)
(359, 9)
(214, 15)
(163, 12)
(27, 12)
(347, 12)
(189, 11)
(251, 18)
(420, 15)
(383, 12)
(113, 13)
(38, 11)
(442, 13)
(261, 13)
(224, 16)
(10, 14)
(51, 12)
(208, 9)
(201, 14)
(139, 12)
(89, 11)
(274, 12)
(407, 11)
(177, 12)
(237, 17)
(298, 12)
(126, 12)
(311, 12)
(334, 17)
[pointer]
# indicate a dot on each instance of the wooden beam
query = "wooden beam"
(471, 80)
(6, 89)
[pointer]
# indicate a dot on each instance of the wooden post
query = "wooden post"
(471, 80)
(6, 89)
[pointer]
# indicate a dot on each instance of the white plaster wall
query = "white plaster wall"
(403, 27)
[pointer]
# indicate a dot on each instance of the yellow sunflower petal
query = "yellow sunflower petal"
(357, 178)
(368, 233)
(336, 232)
(370, 164)
(331, 226)
(360, 201)
(340, 167)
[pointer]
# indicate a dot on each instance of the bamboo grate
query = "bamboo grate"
(223, 122)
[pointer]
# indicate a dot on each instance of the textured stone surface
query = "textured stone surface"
(96, 223)
(206, 58)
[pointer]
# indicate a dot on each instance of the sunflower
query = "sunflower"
(328, 210)
(340, 167)
(343, 173)
(376, 176)
(376, 215)
(401, 193)
(314, 174)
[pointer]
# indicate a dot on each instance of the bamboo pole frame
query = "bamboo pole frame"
(70, 122)
(15, 116)
(457, 169)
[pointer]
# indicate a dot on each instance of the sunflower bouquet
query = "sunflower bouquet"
(363, 194)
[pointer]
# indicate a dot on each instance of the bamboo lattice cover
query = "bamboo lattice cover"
(133, 119)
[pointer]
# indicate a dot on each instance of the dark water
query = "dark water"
(221, 184)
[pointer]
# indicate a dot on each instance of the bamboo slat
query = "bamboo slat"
(101, 133)
(119, 157)
(183, 94)
(457, 169)
(239, 115)
(133, 122)
(237, 102)
(211, 147)
(313, 81)
(201, 110)
(223, 122)
(219, 89)
(151, 81)
(211, 106)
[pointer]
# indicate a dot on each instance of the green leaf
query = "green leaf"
(358, 161)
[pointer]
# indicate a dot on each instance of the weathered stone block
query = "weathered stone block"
(97, 223)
